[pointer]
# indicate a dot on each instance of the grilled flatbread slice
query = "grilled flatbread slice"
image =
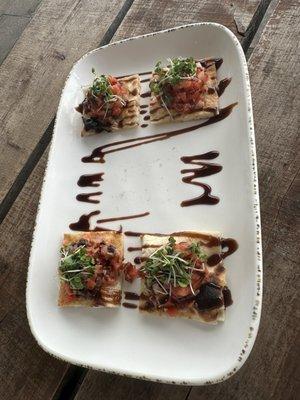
(129, 110)
(200, 297)
(207, 107)
(90, 269)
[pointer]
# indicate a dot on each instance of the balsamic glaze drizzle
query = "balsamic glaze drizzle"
(145, 246)
(223, 85)
(226, 243)
(100, 221)
(90, 180)
(131, 296)
(205, 169)
(129, 305)
(205, 198)
(85, 197)
(83, 224)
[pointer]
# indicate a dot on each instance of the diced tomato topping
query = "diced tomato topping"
(90, 283)
(112, 80)
(172, 311)
(197, 278)
(116, 110)
(96, 107)
(130, 272)
(182, 246)
(68, 293)
(187, 95)
(179, 291)
(117, 89)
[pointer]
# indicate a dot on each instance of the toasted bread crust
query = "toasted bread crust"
(110, 295)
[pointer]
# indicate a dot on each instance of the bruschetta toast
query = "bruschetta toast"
(90, 269)
(184, 277)
(110, 104)
(183, 90)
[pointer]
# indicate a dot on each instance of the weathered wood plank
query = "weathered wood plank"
(26, 371)
(14, 17)
(11, 27)
(111, 387)
(32, 75)
(155, 15)
(18, 7)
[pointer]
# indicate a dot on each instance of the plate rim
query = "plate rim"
(257, 300)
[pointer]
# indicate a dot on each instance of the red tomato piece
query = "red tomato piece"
(172, 311)
(90, 283)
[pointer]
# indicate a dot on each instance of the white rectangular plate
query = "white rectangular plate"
(148, 178)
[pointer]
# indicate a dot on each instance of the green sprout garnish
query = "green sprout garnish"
(196, 249)
(167, 267)
(76, 266)
(179, 69)
(101, 86)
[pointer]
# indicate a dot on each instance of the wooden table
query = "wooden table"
(39, 42)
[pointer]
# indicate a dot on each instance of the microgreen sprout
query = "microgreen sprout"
(167, 266)
(178, 69)
(102, 87)
(76, 266)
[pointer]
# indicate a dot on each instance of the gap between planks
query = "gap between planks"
(255, 25)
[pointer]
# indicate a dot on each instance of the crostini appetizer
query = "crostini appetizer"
(183, 90)
(110, 104)
(184, 277)
(90, 269)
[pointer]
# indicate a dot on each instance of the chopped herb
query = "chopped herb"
(196, 249)
(101, 86)
(76, 266)
(178, 69)
(168, 266)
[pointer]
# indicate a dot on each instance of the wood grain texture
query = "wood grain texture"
(14, 17)
(11, 27)
(154, 15)
(26, 371)
(32, 75)
(99, 385)
(18, 7)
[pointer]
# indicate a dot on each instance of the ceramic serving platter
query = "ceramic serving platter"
(147, 178)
